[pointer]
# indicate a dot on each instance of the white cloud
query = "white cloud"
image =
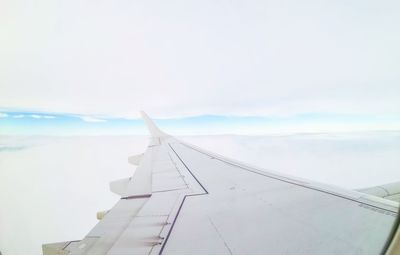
(36, 116)
(19, 116)
(353, 163)
(252, 58)
(3, 115)
(91, 119)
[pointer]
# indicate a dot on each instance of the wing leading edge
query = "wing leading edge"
(184, 200)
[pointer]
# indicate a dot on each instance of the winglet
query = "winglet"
(153, 129)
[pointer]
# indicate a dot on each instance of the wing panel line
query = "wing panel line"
(255, 171)
(183, 200)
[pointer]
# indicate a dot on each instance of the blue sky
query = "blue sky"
(38, 123)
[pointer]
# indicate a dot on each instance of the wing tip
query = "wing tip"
(153, 129)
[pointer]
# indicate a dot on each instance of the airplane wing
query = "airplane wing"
(390, 191)
(184, 200)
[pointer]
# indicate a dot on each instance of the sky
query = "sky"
(179, 59)
(56, 124)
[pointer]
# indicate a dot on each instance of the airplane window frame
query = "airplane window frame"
(392, 245)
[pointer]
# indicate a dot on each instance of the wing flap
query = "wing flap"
(119, 186)
(135, 159)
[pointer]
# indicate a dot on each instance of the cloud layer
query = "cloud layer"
(91, 119)
(188, 57)
(52, 175)
(28, 123)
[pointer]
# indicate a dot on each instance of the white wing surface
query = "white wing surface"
(183, 200)
(390, 191)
